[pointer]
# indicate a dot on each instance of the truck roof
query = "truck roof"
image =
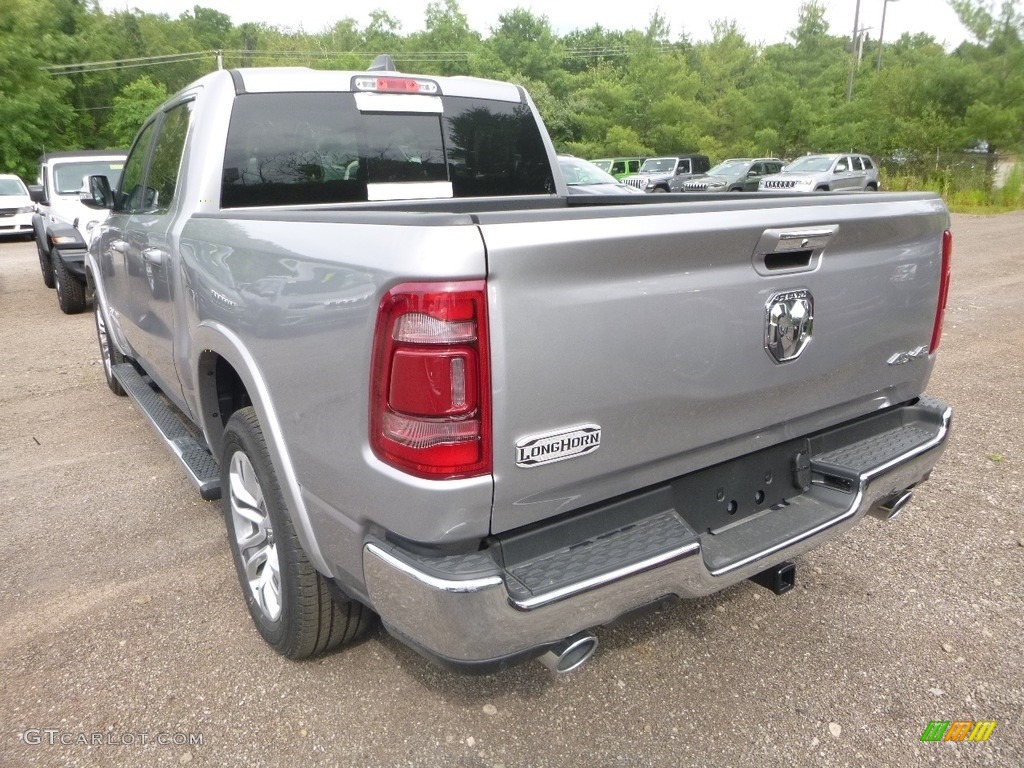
(82, 153)
(304, 79)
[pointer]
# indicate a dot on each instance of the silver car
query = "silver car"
(825, 173)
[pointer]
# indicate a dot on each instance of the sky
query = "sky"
(761, 21)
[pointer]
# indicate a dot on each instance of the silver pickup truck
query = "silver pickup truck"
(432, 386)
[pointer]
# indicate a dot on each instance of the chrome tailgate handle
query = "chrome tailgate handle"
(785, 251)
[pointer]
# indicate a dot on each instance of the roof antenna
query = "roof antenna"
(383, 63)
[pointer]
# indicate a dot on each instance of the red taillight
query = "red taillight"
(940, 312)
(430, 410)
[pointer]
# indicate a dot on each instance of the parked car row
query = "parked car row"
(690, 173)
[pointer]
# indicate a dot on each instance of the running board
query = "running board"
(192, 453)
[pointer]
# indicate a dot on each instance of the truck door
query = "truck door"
(112, 249)
(151, 252)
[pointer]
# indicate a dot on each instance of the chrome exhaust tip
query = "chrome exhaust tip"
(891, 507)
(566, 655)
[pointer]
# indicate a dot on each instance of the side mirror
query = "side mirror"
(751, 174)
(37, 193)
(97, 194)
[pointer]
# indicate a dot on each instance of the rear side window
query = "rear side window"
(307, 148)
(867, 163)
(857, 164)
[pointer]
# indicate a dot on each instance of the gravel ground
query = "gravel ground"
(122, 624)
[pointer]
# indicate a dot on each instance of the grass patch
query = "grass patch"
(964, 190)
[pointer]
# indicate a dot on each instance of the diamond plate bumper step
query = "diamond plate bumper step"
(190, 450)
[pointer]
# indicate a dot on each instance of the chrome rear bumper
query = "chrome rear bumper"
(471, 609)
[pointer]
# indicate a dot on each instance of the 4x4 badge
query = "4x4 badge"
(789, 322)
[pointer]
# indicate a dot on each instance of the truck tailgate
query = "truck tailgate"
(629, 343)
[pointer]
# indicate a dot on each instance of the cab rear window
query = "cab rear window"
(315, 148)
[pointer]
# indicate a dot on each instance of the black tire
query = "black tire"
(70, 290)
(45, 265)
(109, 354)
(659, 190)
(293, 609)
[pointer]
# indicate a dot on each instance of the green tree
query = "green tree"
(528, 47)
(997, 115)
(34, 112)
(447, 44)
(131, 108)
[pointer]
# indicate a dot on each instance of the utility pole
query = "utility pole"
(853, 53)
(881, 35)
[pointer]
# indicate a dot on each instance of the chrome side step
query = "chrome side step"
(190, 451)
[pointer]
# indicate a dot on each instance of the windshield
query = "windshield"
(13, 187)
(659, 165)
(604, 165)
(70, 177)
(729, 168)
(811, 163)
(580, 172)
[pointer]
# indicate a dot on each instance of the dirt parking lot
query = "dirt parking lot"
(124, 641)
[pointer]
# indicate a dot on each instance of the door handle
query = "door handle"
(153, 256)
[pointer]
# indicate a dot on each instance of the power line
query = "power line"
(88, 67)
(142, 61)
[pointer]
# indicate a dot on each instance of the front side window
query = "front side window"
(308, 148)
(131, 192)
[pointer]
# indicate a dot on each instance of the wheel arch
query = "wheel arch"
(228, 378)
(40, 234)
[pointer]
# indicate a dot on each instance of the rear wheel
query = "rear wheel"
(289, 601)
(109, 354)
(70, 291)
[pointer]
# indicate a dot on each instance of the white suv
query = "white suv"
(63, 224)
(824, 173)
(16, 207)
